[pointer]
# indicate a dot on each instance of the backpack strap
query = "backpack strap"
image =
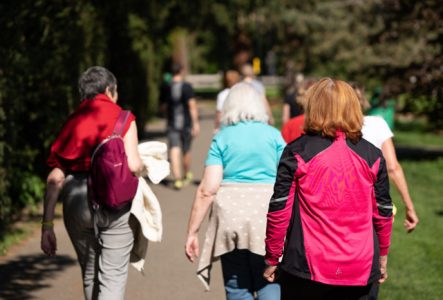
(121, 122)
(118, 129)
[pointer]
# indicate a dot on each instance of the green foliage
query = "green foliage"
(47, 44)
(37, 93)
(30, 190)
(395, 44)
(144, 47)
(4, 199)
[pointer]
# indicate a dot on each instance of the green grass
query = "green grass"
(14, 235)
(415, 263)
(418, 139)
(416, 133)
(273, 92)
(276, 113)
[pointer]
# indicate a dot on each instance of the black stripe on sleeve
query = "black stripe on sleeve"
(285, 177)
(381, 188)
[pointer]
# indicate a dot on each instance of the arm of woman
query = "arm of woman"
(279, 212)
(54, 184)
(135, 163)
(286, 114)
(204, 197)
(382, 217)
(193, 109)
(396, 174)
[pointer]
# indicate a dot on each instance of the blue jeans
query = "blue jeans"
(243, 277)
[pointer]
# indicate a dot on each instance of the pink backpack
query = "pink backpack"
(111, 184)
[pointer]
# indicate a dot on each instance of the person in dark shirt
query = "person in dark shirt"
(290, 102)
(291, 108)
(293, 128)
(178, 100)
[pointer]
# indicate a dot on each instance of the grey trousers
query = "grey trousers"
(104, 263)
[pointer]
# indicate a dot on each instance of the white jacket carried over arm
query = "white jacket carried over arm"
(145, 206)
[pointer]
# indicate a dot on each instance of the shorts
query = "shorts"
(180, 138)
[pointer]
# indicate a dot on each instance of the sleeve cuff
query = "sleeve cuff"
(271, 262)
(384, 251)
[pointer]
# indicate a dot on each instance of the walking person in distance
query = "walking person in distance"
(178, 100)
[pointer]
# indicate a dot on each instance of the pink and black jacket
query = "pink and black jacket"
(331, 213)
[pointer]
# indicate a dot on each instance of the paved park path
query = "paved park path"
(25, 273)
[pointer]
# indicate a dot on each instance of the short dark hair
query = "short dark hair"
(94, 81)
(176, 68)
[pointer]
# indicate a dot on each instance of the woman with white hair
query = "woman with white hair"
(237, 184)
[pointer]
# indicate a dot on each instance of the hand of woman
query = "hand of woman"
(191, 248)
(270, 273)
(212, 176)
(195, 131)
(48, 242)
(130, 140)
(383, 268)
(411, 220)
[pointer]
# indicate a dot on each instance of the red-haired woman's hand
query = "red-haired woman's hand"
(270, 273)
(383, 269)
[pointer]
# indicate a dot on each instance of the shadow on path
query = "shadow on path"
(169, 182)
(24, 275)
(418, 153)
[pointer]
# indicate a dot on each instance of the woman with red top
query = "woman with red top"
(331, 214)
(293, 128)
(104, 263)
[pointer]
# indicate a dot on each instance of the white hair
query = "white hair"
(244, 103)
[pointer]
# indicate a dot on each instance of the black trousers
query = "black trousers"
(294, 288)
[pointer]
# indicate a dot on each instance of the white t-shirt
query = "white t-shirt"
(221, 97)
(375, 130)
(258, 86)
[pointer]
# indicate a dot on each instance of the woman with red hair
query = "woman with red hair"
(331, 213)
